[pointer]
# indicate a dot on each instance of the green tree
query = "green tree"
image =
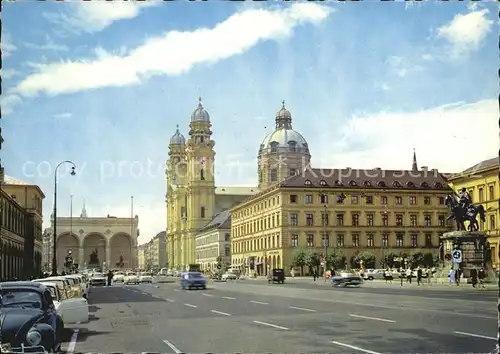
(368, 259)
(300, 259)
(416, 259)
(388, 260)
(313, 260)
(429, 260)
(337, 260)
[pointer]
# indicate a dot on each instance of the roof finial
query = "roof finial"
(200, 102)
(414, 166)
(177, 127)
(283, 104)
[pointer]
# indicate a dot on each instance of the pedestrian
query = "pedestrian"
(419, 276)
(481, 275)
(292, 273)
(402, 275)
(409, 274)
(473, 277)
(314, 274)
(110, 277)
(451, 276)
(429, 276)
(458, 275)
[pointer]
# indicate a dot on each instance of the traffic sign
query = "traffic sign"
(457, 256)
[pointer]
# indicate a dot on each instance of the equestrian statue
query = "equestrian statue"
(462, 210)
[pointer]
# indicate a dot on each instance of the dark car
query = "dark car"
(277, 276)
(190, 280)
(28, 318)
(347, 279)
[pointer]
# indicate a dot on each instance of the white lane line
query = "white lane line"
(355, 348)
(258, 302)
(301, 309)
(209, 295)
(372, 318)
(221, 313)
(173, 347)
(169, 300)
(271, 325)
(72, 341)
(189, 305)
(474, 335)
(229, 298)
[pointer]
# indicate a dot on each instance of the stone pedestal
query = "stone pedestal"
(475, 250)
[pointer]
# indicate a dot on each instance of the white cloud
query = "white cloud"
(8, 73)
(7, 46)
(65, 115)
(234, 36)
(451, 138)
(465, 33)
(402, 67)
(8, 102)
(97, 15)
(48, 45)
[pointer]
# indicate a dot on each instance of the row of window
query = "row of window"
(13, 217)
(214, 238)
(368, 199)
(261, 243)
(481, 193)
(213, 252)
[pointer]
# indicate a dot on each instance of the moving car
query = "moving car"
(118, 277)
(277, 276)
(30, 322)
(372, 274)
(98, 279)
(191, 280)
(131, 278)
(146, 277)
(229, 276)
(72, 311)
(346, 279)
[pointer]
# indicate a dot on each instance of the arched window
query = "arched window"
(292, 146)
(424, 184)
(274, 146)
(273, 175)
(339, 183)
(438, 185)
(381, 184)
(410, 185)
(368, 184)
(322, 182)
(396, 184)
(308, 182)
(353, 183)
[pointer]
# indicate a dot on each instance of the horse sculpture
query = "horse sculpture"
(461, 214)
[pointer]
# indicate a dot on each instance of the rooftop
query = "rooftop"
(236, 190)
(220, 221)
(15, 181)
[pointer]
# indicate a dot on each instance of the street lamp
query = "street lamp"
(54, 236)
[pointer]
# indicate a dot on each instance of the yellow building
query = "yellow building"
(213, 243)
(381, 212)
(21, 228)
(192, 198)
(141, 256)
(481, 181)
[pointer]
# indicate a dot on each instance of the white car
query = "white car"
(98, 279)
(131, 278)
(78, 279)
(118, 277)
(229, 276)
(146, 277)
(72, 311)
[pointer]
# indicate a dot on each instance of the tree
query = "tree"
(300, 259)
(368, 259)
(312, 260)
(336, 260)
(388, 260)
(416, 259)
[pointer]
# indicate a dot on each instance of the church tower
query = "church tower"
(175, 198)
(414, 166)
(200, 177)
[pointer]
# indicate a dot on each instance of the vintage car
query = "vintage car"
(72, 311)
(229, 276)
(74, 286)
(131, 278)
(61, 281)
(191, 280)
(346, 279)
(98, 279)
(28, 317)
(146, 277)
(80, 281)
(276, 276)
(118, 277)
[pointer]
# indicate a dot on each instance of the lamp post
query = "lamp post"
(54, 236)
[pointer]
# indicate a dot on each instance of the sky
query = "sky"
(104, 84)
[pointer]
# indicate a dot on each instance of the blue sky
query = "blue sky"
(104, 85)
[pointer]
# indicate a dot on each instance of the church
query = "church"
(193, 199)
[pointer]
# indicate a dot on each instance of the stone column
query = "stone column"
(108, 255)
(81, 255)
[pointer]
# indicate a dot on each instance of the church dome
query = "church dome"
(284, 138)
(177, 138)
(200, 113)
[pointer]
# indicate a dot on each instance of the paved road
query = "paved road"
(261, 318)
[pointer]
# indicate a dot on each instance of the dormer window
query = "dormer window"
(438, 185)
(424, 184)
(353, 183)
(381, 184)
(368, 184)
(322, 182)
(339, 183)
(308, 183)
(292, 146)
(410, 185)
(396, 184)
(274, 146)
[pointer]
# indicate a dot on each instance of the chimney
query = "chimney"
(425, 168)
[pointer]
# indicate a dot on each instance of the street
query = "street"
(237, 317)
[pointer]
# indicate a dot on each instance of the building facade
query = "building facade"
(111, 241)
(141, 256)
(192, 198)
(47, 249)
(481, 181)
(213, 243)
(20, 229)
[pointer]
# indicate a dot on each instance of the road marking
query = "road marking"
(355, 348)
(209, 295)
(72, 341)
(169, 300)
(301, 309)
(258, 302)
(474, 335)
(189, 305)
(221, 313)
(372, 318)
(229, 298)
(173, 347)
(270, 325)
(176, 290)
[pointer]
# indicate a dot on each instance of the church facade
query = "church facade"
(104, 242)
(192, 198)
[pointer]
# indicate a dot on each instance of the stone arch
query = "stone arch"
(120, 245)
(66, 241)
(94, 241)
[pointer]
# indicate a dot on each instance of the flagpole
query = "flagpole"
(131, 225)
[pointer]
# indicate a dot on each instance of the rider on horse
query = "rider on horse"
(464, 199)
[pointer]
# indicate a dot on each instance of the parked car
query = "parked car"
(131, 278)
(146, 277)
(98, 279)
(372, 274)
(83, 285)
(30, 322)
(229, 276)
(61, 281)
(72, 311)
(118, 277)
(191, 280)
